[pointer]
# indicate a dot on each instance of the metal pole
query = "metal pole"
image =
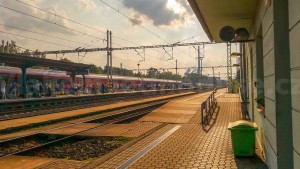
(111, 67)
(107, 65)
(199, 65)
(138, 72)
(176, 75)
(214, 80)
(229, 68)
(200, 68)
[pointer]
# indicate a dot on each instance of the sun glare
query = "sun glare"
(175, 6)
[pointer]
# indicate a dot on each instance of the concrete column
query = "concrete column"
(83, 85)
(24, 81)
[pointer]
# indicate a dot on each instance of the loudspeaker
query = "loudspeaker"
(227, 33)
(241, 34)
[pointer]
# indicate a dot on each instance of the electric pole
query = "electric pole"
(214, 79)
(107, 47)
(121, 69)
(199, 65)
(176, 75)
(111, 67)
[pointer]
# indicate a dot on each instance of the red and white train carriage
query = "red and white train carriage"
(10, 74)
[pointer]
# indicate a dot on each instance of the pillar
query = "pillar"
(24, 81)
(84, 84)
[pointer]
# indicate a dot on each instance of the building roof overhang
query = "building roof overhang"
(28, 61)
(213, 15)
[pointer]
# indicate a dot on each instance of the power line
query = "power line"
(87, 44)
(25, 48)
(133, 21)
(35, 39)
(40, 33)
(29, 15)
(70, 20)
(73, 21)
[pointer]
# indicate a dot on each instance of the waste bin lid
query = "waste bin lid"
(242, 124)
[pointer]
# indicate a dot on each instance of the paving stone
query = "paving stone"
(190, 146)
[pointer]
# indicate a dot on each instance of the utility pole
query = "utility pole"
(229, 68)
(176, 75)
(121, 69)
(107, 47)
(214, 79)
(111, 67)
(199, 65)
(139, 73)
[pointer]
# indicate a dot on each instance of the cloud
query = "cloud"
(136, 20)
(86, 4)
(161, 12)
(24, 21)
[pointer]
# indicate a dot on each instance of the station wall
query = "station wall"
(294, 27)
(266, 64)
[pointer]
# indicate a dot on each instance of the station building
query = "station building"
(271, 69)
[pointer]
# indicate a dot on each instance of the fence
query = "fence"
(208, 107)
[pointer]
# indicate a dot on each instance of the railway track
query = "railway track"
(34, 107)
(32, 142)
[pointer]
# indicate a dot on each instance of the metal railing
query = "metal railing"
(208, 107)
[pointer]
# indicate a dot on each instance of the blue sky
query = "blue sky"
(171, 20)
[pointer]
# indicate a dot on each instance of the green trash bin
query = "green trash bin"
(243, 137)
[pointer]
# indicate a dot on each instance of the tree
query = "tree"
(11, 47)
(96, 70)
(152, 73)
(119, 71)
(37, 54)
(65, 60)
(14, 49)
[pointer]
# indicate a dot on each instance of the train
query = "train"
(44, 76)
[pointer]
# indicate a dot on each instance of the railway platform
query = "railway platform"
(174, 138)
(186, 145)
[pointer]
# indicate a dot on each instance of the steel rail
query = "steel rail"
(76, 134)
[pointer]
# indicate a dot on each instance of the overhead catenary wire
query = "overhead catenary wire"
(148, 30)
(84, 24)
(76, 22)
(35, 40)
(70, 20)
(38, 33)
(73, 21)
(57, 24)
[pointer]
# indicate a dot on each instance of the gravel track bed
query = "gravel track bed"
(19, 145)
(82, 149)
